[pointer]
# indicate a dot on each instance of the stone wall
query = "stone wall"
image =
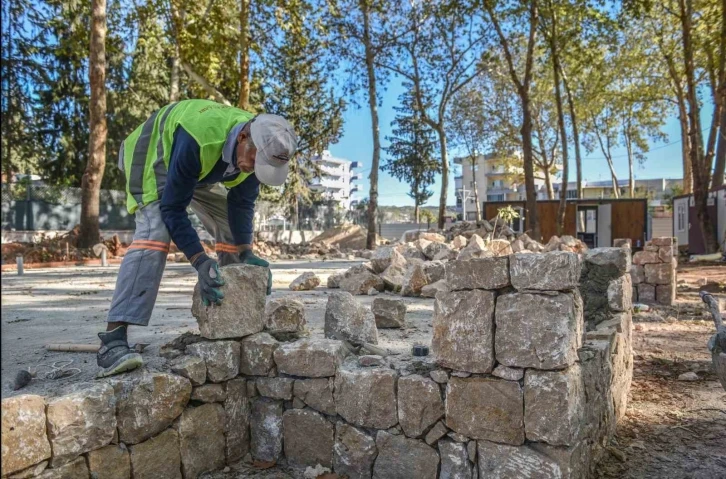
(654, 272)
(523, 381)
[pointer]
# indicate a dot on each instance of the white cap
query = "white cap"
(276, 143)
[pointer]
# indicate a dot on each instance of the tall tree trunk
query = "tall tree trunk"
(613, 177)
(444, 176)
(548, 183)
(244, 55)
(575, 136)
(476, 193)
(91, 183)
(720, 103)
(416, 212)
(528, 163)
(685, 147)
(174, 76)
(375, 130)
(720, 166)
(631, 173)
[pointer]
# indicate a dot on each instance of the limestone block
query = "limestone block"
(554, 406)
(616, 258)
(414, 280)
(435, 271)
(554, 271)
(353, 453)
(201, 439)
(666, 293)
(393, 277)
(209, 393)
(80, 422)
(622, 374)
(311, 358)
(463, 337)
(157, 458)
(646, 293)
(665, 253)
(637, 273)
(24, 440)
(334, 280)
(384, 256)
(221, 357)
(346, 318)
(110, 462)
(483, 408)
(596, 368)
(446, 254)
(242, 311)
(458, 242)
(236, 421)
(148, 403)
(256, 354)
(431, 236)
(266, 429)
(316, 393)
(305, 282)
(430, 290)
(620, 294)
(500, 247)
(538, 331)
(454, 461)
(73, 470)
(308, 438)
(275, 388)
(646, 257)
(533, 461)
(361, 282)
(436, 433)
(510, 374)
(191, 367)
(662, 273)
(284, 315)
(389, 313)
(367, 397)
(419, 404)
(434, 249)
(403, 458)
(478, 273)
(662, 241)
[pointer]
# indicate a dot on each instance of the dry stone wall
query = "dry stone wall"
(653, 272)
(524, 380)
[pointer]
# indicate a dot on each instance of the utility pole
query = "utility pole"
(465, 194)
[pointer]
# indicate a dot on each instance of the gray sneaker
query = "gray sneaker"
(115, 356)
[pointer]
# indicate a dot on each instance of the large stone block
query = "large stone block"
(24, 440)
(435, 271)
(637, 274)
(347, 319)
(361, 282)
(191, 367)
(620, 293)
(554, 406)
(80, 422)
(256, 354)
(646, 257)
(305, 282)
(533, 461)
(201, 439)
(221, 357)
(403, 458)
(478, 273)
(275, 388)
(236, 421)
(308, 438)
(384, 257)
(665, 253)
(266, 429)
(73, 470)
(615, 258)
(666, 293)
(463, 337)
(483, 408)
(367, 397)
(389, 313)
(110, 462)
(476, 248)
(316, 393)
(554, 271)
(353, 453)
(537, 330)
(242, 311)
(662, 273)
(663, 241)
(311, 358)
(393, 277)
(646, 293)
(596, 368)
(419, 404)
(430, 290)
(284, 315)
(157, 458)
(435, 249)
(148, 403)
(414, 280)
(454, 461)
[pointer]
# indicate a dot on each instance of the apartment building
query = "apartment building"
(655, 189)
(337, 180)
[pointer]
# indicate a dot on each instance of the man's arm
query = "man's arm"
(182, 178)
(241, 211)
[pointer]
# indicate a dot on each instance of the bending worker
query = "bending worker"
(173, 161)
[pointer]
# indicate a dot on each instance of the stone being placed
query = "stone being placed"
(24, 439)
(236, 421)
(221, 357)
(201, 439)
(191, 367)
(454, 461)
(463, 337)
(284, 315)
(535, 461)
(110, 462)
(554, 403)
(354, 452)
(311, 358)
(275, 388)
(157, 458)
(554, 271)
(308, 438)
(305, 282)
(346, 318)
(389, 313)
(430, 290)
(316, 393)
(367, 397)
(242, 311)
(403, 458)
(266, 429)
(478, 273)
(414, 280)
(419, 404)
(483, 408)
(256, 354)
(540, 331)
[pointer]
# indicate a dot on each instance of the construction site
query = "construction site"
(471, 352)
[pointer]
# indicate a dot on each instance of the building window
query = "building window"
(571, 194)
(495, 197)
(681, 212)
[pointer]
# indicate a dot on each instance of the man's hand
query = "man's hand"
(210, 279)
(248, 257)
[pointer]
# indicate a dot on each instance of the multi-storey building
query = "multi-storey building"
(337, 180)
(654, 189)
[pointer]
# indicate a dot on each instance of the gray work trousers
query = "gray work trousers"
(141, 270)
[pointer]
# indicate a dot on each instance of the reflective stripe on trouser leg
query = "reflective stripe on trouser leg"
(141, 270)
(210, 205)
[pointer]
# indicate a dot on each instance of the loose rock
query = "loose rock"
(284, 315)
(305, 282)
(389, 313)
(345, 318)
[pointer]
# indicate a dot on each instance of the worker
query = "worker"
(177, 159)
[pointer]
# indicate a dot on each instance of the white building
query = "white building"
(337, 179)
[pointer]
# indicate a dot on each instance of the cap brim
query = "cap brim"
(268, 174)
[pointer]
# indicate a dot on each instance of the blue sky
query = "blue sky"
(663, 161)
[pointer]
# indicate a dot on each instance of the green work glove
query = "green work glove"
(210, 279)
(248, 257)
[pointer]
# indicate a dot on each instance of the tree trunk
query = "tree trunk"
(575, 136)
(444, 177)
(613, 177)
(90, 233)
(548, 183)
(375, 130)
(244, 55)
(685, 147)
(720, 166)
(631, 177)
(528, 163)
(416, 212)
(476, 193)
(174, 76)
(563, 132)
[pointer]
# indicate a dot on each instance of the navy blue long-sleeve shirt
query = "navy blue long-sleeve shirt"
(183, 176)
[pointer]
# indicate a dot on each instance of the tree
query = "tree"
(427, 216)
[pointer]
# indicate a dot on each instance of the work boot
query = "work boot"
(115, 356)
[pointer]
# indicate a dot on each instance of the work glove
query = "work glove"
(248, 257)
(210, 279)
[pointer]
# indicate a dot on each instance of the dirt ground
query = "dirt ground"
(672, 428)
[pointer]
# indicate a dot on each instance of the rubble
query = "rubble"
(305, 282)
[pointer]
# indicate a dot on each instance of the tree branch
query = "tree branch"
(204, 84)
